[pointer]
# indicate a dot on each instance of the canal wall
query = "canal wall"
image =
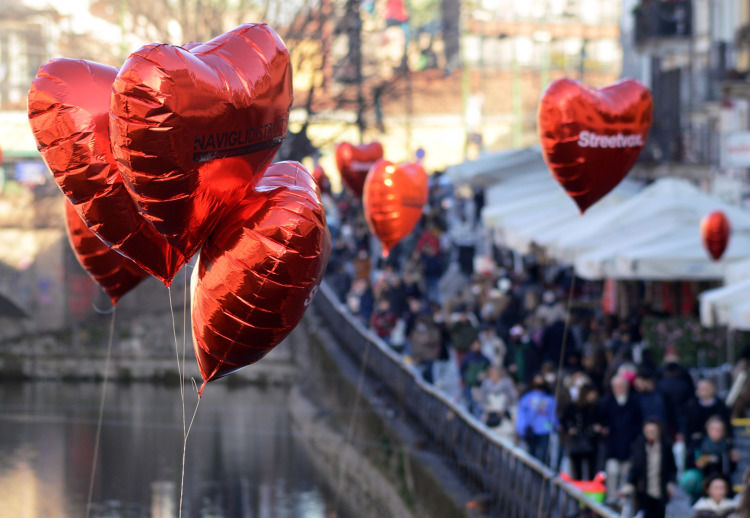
(143, 349)
(375, 461)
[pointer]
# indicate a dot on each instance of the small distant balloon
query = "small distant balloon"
(354, 162)
(394, 196)
(715, 231)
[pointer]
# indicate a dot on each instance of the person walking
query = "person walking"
(579, 422)
(620, 416)
(536, 418)
(652, 474)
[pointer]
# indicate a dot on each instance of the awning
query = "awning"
(655, 236)
(737, 271)
(533, 209)
(496, 167)
(680, 257)
(634, 232)
(728, 306)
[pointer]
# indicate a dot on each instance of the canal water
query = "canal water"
(242, 460)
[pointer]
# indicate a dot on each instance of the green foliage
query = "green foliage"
(697, 346)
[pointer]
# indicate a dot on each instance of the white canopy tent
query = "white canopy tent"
(669, 202)
(535, 209)
(632, 233)
(729, 305)
(678, 258)
(496, 167)
(654, 235)
(737, 271)
(600, 262)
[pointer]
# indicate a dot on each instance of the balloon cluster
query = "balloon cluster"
(168, 156)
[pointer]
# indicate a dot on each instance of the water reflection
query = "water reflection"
(241, 462)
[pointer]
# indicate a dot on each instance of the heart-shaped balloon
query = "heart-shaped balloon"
(354, 162)
(115, 273)
(68, 106)
(258, 271)
(321, 178)
(193, 129)
(715, 231)
(394, 197)
(591, 138)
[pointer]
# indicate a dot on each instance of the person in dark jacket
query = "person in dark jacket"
(697, 414)
(620, 416)
(383, 319)
(425, 344)
(552, 338)
(579, 421)
(714, 456)
(652, 471)
(474, 365)
(677, 386)
(652, 402)
(464, 329)
(521, 356)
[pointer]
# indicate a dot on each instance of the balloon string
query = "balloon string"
(558, 380)
(184, 444)
(182, 395)
(101, 413)
(350, 431)
(184, 326)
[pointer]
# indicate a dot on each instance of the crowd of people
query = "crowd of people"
(525, 348)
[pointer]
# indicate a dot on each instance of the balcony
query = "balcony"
(662, 19)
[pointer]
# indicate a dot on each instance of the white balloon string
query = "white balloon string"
(558, 380)
(102, 397)
(182, 398)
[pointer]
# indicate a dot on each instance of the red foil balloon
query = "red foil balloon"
(115, 273)
(354, 162)
(394, 196)
(258, 271)
(193, 129)
(591, 138)
(715, 230)
(321, 178)
(68, 107)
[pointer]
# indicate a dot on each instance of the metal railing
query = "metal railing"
(520, 486)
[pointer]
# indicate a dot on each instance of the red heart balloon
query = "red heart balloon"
(115, 273)
(68, 107)
(394, 196)
(354, 162)
(715, 231)
(174, 113)
(321, 178)
(591, 138)
(258, 271)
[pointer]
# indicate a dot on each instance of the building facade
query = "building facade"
(692, 55)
